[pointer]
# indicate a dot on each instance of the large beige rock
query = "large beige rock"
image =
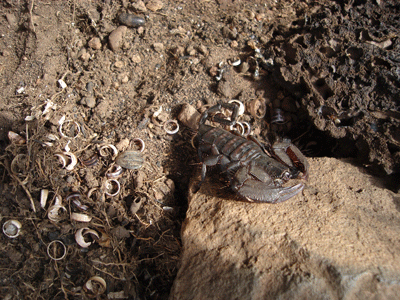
(339, 239)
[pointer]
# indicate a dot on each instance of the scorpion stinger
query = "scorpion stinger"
(254, 174)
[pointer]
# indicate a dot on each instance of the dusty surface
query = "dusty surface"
(334, 241)
(327, 74)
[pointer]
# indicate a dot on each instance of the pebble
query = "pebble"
(244, 67)
(139, 6)
(83, 54)
(136, 58)
(131, 20)
(189, 116)
(123, 144)
(203, 50)
(89, 101)
(225, 89)
(190, 50)
(116, 37)
(159, 47)
(95, 43)
(154, 5)
(234, 44)
(119, 64)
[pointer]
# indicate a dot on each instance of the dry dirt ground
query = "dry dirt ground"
(326, 74)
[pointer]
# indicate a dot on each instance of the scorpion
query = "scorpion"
(255, 173)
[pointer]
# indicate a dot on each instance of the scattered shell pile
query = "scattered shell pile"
(94, 194)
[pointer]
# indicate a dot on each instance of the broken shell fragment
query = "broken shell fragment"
(241, 106)
(80, 234)
(104, 151)
(44, 193)
(80, 217)
(112, 187)
(12, 228)
(257, 108)
(235, 62)
(55, 252)
(130, 159)
(247, 127)
(171, 123)
(95, 286)
(74, 129)
(114, 171)
(54, 212)
(68, 164)
(91, 162)
(135, 206)
(15, 138)
(139, 142)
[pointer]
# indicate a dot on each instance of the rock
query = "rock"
(154, 5)
(336, 240)
(95, 43)
(203, 49)
(139, 6)
(159, 47)
(119, 64)
(116, 37)
(12, 19)
(234, 44)
(189, 116)
(89, 101)
(123, 144)
(136, 58)
(225, 89)
(83, 54)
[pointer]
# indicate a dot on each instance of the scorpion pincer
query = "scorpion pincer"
(255, 173)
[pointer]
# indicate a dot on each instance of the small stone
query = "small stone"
(214, 71)
(140, 30)
(123, 144)
(125, 79)
(12, 19)
(154, 5)
(116, 37)
(234, 44)
(89, 101)
(139, 6)
(139, 180)
(95, 43)
(189, 116)
(178, 51)
(225, 89)
(159, 47)
(244, 67)
(85, 56)
(119, 64)
(203, 50)
(190, 50)
(136, 58)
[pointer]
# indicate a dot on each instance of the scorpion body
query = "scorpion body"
(255, 174)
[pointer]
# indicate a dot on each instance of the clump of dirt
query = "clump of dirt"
(341, 60)
(308, 71)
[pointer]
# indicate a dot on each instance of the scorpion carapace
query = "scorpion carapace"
(255, 174)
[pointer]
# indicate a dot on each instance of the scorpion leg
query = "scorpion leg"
(290, 155)
(259, 187)
(216, 108)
